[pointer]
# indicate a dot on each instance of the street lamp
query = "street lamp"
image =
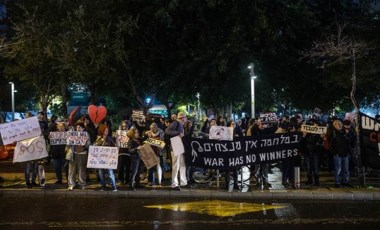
(13, 99)
(253, 77)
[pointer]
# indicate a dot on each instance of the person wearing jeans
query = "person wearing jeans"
(134, 146)
(340, 146)
(105, 140)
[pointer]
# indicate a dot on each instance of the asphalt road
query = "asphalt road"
(143, 213)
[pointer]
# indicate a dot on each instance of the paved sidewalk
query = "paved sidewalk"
(14, 186)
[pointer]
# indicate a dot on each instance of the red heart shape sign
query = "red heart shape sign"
(97, 114)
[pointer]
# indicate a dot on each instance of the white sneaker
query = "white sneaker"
(70, 188)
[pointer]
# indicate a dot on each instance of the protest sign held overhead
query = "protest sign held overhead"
(313, 129)
(101, 157)
(58, 138)
(242, 151)
(148, 156)
(370, 141)
(268, 117)
(77, 138)
(221, 133)
(20, 130)
(97, 114)
(138, 115)
(122, 138)
(30, 149)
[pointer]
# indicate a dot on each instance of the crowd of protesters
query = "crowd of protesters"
(334, 150)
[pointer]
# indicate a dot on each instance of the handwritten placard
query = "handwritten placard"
(148, 156)
(20, 130)
(157, 143)
(58, 138)
(313, 129)
(30, 149)
(101, 157)
(77, 138)
(221, 133)
(121, 138)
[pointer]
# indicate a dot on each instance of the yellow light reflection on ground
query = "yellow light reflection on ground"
(216, 207)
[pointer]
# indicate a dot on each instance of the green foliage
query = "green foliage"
(126, 50)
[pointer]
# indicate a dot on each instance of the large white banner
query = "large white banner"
(221, 133)
(313, 129)
(30, 149)
(101, 157)
(20, 130)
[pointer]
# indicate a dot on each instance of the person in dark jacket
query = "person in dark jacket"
(134, 146)
(313, 144)
(58, 154)
(340, 148)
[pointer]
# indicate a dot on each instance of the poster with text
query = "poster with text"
(102, 157)
(30, 149)
(20, 130)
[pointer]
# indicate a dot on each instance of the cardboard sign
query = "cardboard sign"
(221, 133)
(58, 138)
(177, 145)
(30, 149)
(156, 143)
(101, 157)
(148, 156)
(77, 138)
(122, 139)
(20, 130)
(268, 117)
(313, 129)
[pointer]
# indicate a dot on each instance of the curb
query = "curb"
(202, 194)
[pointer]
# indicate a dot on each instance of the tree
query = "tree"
(29, 50)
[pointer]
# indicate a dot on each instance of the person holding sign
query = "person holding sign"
(156, 134)
(134, 145)
(79, 163)
(178, 160)
(105, 140)
(312, 150)
(124, 166)
(58, 153)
